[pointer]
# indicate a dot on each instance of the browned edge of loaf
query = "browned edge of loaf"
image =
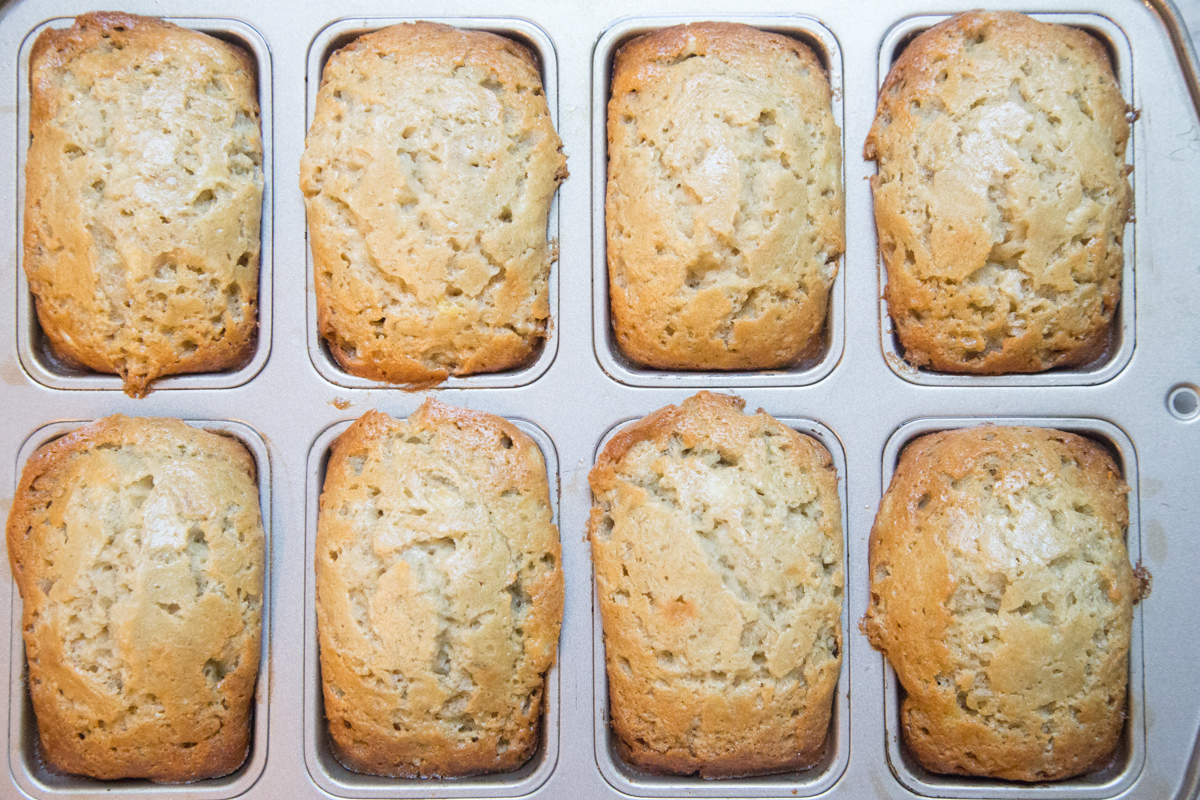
(918, 63)
(216, 757)
(61, 45)
(720, 39)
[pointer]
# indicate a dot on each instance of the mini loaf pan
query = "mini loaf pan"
(33, 348)
(323, 766)
(631, 780)
(612, 360)
(297, 399)
(1126, 766)
(341, 33)
(29, 771)
(1122, 332)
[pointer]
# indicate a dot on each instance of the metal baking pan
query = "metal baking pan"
(1142, 399)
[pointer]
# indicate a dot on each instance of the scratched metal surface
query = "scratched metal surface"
(291, 398)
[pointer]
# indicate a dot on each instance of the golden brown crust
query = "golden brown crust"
(439, 593)
(138, 550)
(428, 174)
(1002, 195)
(717, 542)
(1001, 593)
(724, 206)
(124, 284)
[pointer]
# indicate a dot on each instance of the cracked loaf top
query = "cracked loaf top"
(724, 211)
(427, 175)
(143, 198)
(1002, 195)
(1001, 593)
(717, 543)
(439, 593)
(137, 546)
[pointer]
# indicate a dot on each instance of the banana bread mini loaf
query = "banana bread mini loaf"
(1002, 195)
(1001, 593)
(717, 543)
(428, 174)
(724, 210)
(143, 197)
(439, 593)
(137, 546)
